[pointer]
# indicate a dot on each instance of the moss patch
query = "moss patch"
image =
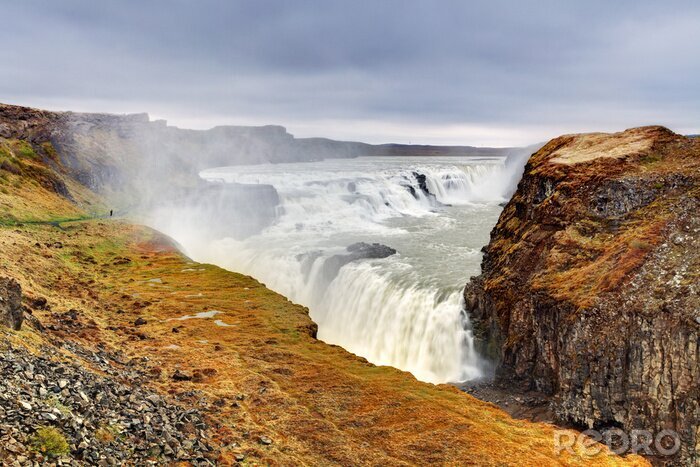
(50, 442)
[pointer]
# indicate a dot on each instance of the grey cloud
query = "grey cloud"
(505, 64)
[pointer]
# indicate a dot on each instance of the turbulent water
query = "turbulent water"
(404, 310)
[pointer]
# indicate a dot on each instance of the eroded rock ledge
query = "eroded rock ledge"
(589, 285)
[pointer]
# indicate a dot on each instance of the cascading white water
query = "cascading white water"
(404, 310)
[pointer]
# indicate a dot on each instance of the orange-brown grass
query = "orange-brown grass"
(589, 257)
(318, 403)
(579, 268)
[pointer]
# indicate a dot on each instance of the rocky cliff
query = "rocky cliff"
(589, 285)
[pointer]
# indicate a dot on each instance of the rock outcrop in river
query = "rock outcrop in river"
(589, 289)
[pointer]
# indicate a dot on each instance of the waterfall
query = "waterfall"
(403, 310)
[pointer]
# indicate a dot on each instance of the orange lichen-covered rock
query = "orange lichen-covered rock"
(589, 285)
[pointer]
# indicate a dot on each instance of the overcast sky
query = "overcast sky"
(452, 72)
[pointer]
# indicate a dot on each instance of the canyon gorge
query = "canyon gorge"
(586, 291)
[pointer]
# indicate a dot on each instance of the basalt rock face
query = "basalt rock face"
(11, 313)
(354, 252)
(590, 284)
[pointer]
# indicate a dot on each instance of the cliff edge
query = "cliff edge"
(589, 285)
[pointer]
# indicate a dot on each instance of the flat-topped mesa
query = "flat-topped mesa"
(589, 289)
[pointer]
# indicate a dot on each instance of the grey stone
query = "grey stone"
(11, 313)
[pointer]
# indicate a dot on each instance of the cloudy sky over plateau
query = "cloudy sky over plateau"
(452, 72)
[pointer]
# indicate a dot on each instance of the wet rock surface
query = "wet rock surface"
(362, 250)
(589, 288)
(104, 421)
(422, 181)
(355, 252)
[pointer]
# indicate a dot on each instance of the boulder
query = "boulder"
(11, 313)
(355, 252)
(422, 181)
(362, 250)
